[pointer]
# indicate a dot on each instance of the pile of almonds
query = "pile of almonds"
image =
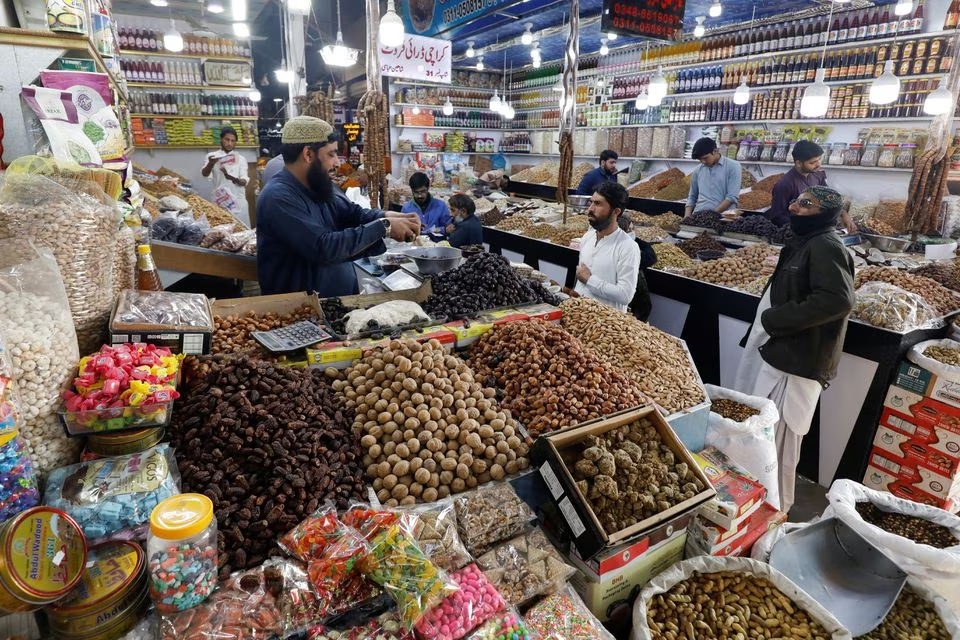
(654, 360)
(427, 426)
(549, 379)
(931, 291)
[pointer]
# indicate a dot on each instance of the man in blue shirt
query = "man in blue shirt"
(606, 172)
(466, 228)
(308, 233)
(434, 214)
(716, 182)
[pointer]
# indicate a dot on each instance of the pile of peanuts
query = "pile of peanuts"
(946, 355)
(669, 256)
(232, 332)
(549, 379)
(931, 291)
(912, 617)
(728, 604)
(728, 272)
(427, 426)
(656, 362)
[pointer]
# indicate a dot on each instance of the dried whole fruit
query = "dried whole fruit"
(917, 529)
(232, 332)
(703, 242)
(732, 410)
(931, 291)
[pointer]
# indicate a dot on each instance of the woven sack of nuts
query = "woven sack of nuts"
(941, 357)
(916, 558)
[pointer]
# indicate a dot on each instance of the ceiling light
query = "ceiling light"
(159, 3)
(172, 40)
(658, 87)
(448, 107)
(254, 94)
(715, 9)
(494, 102)
(391, 27)
(904, 7)
(416, 109)
(816, 98)
(507, 111)
(283, 75)
(239, 10)
(214, 6)
(470, 50)
(339, 54)
(535, 51)
(940, 101)
(742, 94)
(480, 63)
(611, 36)
(654, 101)
(699, 30)
(241, 30)
(642, 101)
(299, 6)
(885, 88)
(604, 49)
(527, 36)
(536, 63)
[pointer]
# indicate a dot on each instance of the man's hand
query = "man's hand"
(450, 228)
(583, 273)
(404, 227)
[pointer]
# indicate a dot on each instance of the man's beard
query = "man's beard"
(601, 224)
(319, 181)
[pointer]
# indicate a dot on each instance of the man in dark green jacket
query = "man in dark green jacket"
(796, 340)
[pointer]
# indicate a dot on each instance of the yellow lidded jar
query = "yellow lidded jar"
(182, 552)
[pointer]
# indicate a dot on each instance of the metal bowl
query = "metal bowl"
(886, 243)
(435, 260)
(578, 202)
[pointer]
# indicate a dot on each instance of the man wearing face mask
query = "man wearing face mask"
(609, 258)
(466, 228)
(308, 233)
(794, 345)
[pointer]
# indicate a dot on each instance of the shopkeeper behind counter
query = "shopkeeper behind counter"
(308, 233)
(806, 173)
(433, 212)
(715, 185)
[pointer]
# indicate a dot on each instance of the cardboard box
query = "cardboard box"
(738, 492)
(466, 333)
(179, 339)
(438, 332)
(918, 474)
(542, 311)
(554, 455)
(367, 300)
(921, 411)
(626, 570)
(261, 305)
(881, 479)
(915, 378)
(341, 355)
(711, 540)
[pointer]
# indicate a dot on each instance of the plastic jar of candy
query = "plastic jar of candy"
(743, 150)
(753, 155)
(766, 152)
(888, 157)
(837, 151)
(182, 552)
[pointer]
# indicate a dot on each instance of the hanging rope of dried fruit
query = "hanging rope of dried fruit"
(373, 112)
(317, 104)
(568, 110)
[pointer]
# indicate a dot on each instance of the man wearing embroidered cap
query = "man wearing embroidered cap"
(308, 233)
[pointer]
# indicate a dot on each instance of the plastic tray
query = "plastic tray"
(144, 416)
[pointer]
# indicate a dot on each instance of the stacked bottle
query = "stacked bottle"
(183, 72)
(191, 104)
(150, 40)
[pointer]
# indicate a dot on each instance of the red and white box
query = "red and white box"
(711, 540)
(922, 411)
(739, 493)
(911, 479)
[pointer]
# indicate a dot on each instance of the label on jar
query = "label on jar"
(67, 16)
(102, 479)
(45, 552)
(110, 569)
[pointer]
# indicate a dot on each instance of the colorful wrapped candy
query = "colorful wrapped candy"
(310, 539)
(475, 603)
(503, 626)
(18, 485)
(367, 520)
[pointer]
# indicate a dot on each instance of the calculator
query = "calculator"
(292, 337)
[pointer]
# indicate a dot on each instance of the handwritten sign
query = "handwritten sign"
(660, 19)
(418, 58)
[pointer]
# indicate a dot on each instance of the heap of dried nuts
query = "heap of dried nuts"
(651, 234)
(910, 527)
(732, 410)
(727, 604)
(728, 272)
(702, 242)
(517, 222)
(628, 474)
(666, 221)
(232, 332)
(428, 428)
(912, 617)
(946, 355)
(944, 300)
(946, 273)
(657, 362)
(755, 255)
(492, 217)
(669, 256)
(548, 378)
(268, 445)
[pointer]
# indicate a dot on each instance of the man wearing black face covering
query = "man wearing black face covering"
(794, 346)
(308, 233)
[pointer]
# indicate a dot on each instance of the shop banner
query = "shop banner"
(659, 19)
(418, 58)
(430, 17)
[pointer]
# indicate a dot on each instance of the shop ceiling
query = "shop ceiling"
(190, 11)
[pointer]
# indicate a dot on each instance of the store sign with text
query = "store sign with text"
(660, 19)
(418, 58)
(430, 17)
(351, 130)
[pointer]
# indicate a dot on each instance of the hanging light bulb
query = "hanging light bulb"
(159, 3)
(416, 109)
(299, 6)
(604, 49)
(611, 36)
(715, 9)
(816, 97)
(535, 51)
(241, 30)
(940, 101)
(536, 63)
(391, 27)
(254, 94)
(658, 87)
(903, 7)
(742, 94)
(885, 88)
(338, 54)
(480, 62)
(527, 36)
(470, 52)
(699, 30)
(239, 10)
(172, 40)
(215, 7)
(642, 101)
(495, 102)
(507, 112)
(448, 107)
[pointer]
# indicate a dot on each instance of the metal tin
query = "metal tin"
(111, 585)
(42, 555)
(116, 627)
(123, 443)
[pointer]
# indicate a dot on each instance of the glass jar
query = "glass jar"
(766, 152)
(182, 552)
(851, 157)
(888, 157)
(871, 155)
(753, 153)
(743, 151)
(837, 151)
(782, 151)
(905, 156)
(733, 150)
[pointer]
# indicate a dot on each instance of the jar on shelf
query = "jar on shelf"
(851, 157)
(871, 155)
(743, 150)
(837, 152)
(182, 552)
(733, 149)
(753, 153)
(766, 151)
(905, 156)
(782, 151)
(888, 157)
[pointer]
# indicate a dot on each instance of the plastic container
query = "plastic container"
(110, 597)
(30, 577)
(888, 157)
(766, 152)
(851, 156)
(871, 155)
(837, 151)
(182, 552)
(781, 152)
(905, 156)
(743, 150)
(753, 154)
(145, 416)
(123, 443)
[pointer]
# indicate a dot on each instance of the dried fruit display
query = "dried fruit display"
(755, 200)
(668, 255)
(732, 410)
(768, 183)
(931, 291)
(703, 242)
(917, 529)
(912, 617)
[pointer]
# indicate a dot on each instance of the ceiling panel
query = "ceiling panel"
(191, 11)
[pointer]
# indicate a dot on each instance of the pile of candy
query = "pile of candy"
(563, 615)
(182, 576)
(18, 485)
(121, 387)
(475, 603)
